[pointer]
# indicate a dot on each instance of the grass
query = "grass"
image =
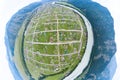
(18, 57)
(35, 63)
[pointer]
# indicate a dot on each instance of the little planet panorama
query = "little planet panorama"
(50, 40)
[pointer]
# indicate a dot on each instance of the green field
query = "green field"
(54, 43)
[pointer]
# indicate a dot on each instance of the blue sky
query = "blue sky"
(9, 7)
(113, 6)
